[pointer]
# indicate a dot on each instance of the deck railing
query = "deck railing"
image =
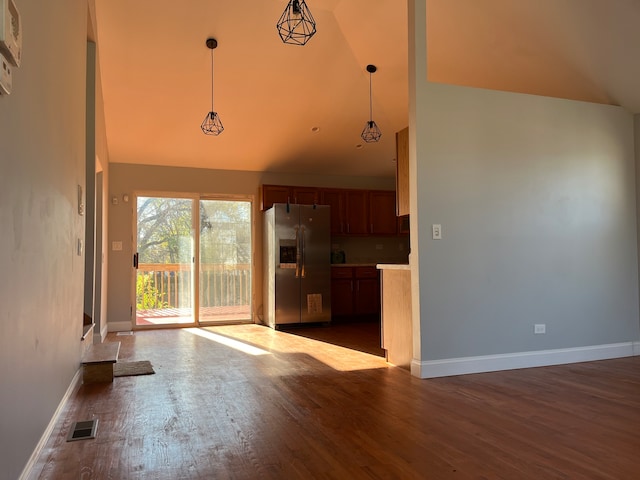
(169, 285)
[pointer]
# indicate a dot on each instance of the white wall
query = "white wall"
(537, 201)
(42, 158)
(129, 179)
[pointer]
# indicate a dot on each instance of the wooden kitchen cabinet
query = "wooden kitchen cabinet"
(403, 225)
(382, 213)
(353, 211)
(341, 297)
(357, 212)
(367, 291)
(285, 194)
(402, 172)
(305, 195)
(355, 291)
(274, 194)
(335, 198)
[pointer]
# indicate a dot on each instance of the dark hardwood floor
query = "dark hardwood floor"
(291, 407)
(361, 334)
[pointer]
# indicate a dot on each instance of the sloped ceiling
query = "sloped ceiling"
(156, 73)
(576, 49)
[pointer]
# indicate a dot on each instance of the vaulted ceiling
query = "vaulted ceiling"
(156, 73)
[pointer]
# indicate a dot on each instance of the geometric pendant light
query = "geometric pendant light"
(212, 124)
(296, 25)
(371, 132)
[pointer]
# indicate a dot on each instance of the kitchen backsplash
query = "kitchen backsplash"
(372, 249)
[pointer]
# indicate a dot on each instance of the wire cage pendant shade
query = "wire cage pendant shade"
(212, 125)
(371, 133)
(296, 25)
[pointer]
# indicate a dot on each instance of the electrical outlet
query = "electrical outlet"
(539, 328)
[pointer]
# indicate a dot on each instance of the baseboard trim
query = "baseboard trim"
(119, 326)
(99, 336)
(510, 361)
(33, 459)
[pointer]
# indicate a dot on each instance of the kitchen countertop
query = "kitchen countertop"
(371, 264)
(393, 266)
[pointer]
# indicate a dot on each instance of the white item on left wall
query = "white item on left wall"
(11, 32)
(6, 77)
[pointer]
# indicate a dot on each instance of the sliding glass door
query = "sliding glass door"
(171, 234)
(164, 274)
(225, 261)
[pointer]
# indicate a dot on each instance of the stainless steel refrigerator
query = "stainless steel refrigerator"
(296, 265)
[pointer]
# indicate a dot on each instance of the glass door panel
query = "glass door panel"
(225, 261)
(164, 276)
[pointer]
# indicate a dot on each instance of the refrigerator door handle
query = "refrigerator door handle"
(297, 252)
(302, 238)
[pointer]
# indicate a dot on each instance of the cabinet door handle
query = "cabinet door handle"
(352, 285)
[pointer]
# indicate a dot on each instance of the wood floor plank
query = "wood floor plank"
(292, 407)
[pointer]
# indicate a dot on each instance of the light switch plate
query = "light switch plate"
(436, 231)
(80, 201)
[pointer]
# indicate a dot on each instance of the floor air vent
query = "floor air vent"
(83, 430)
(122, 334)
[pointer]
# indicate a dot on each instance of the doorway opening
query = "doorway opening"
(193, 261)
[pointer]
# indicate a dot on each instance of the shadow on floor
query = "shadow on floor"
(360, 335)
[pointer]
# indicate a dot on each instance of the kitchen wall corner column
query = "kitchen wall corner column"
(397, 322)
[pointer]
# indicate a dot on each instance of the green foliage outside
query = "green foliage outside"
(147, 295)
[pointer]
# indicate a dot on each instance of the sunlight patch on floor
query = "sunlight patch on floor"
(336, 357)
(229, 342)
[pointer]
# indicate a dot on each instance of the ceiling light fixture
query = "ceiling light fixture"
(371, 132)
(212, 124)
(296, 25)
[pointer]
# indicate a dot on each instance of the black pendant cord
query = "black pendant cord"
(212, 80)
(370, 100)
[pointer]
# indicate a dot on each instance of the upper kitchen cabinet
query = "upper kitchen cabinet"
(305, 195)
(402, 172)
(284, 194)
(353, 211)
(382, 213)
(335, 198)
(357, 212)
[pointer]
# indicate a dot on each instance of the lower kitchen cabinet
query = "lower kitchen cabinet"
(341, 297)
(355, 291)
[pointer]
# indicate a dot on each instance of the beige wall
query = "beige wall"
(537, 201)
(42, 161)
(129, 179)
